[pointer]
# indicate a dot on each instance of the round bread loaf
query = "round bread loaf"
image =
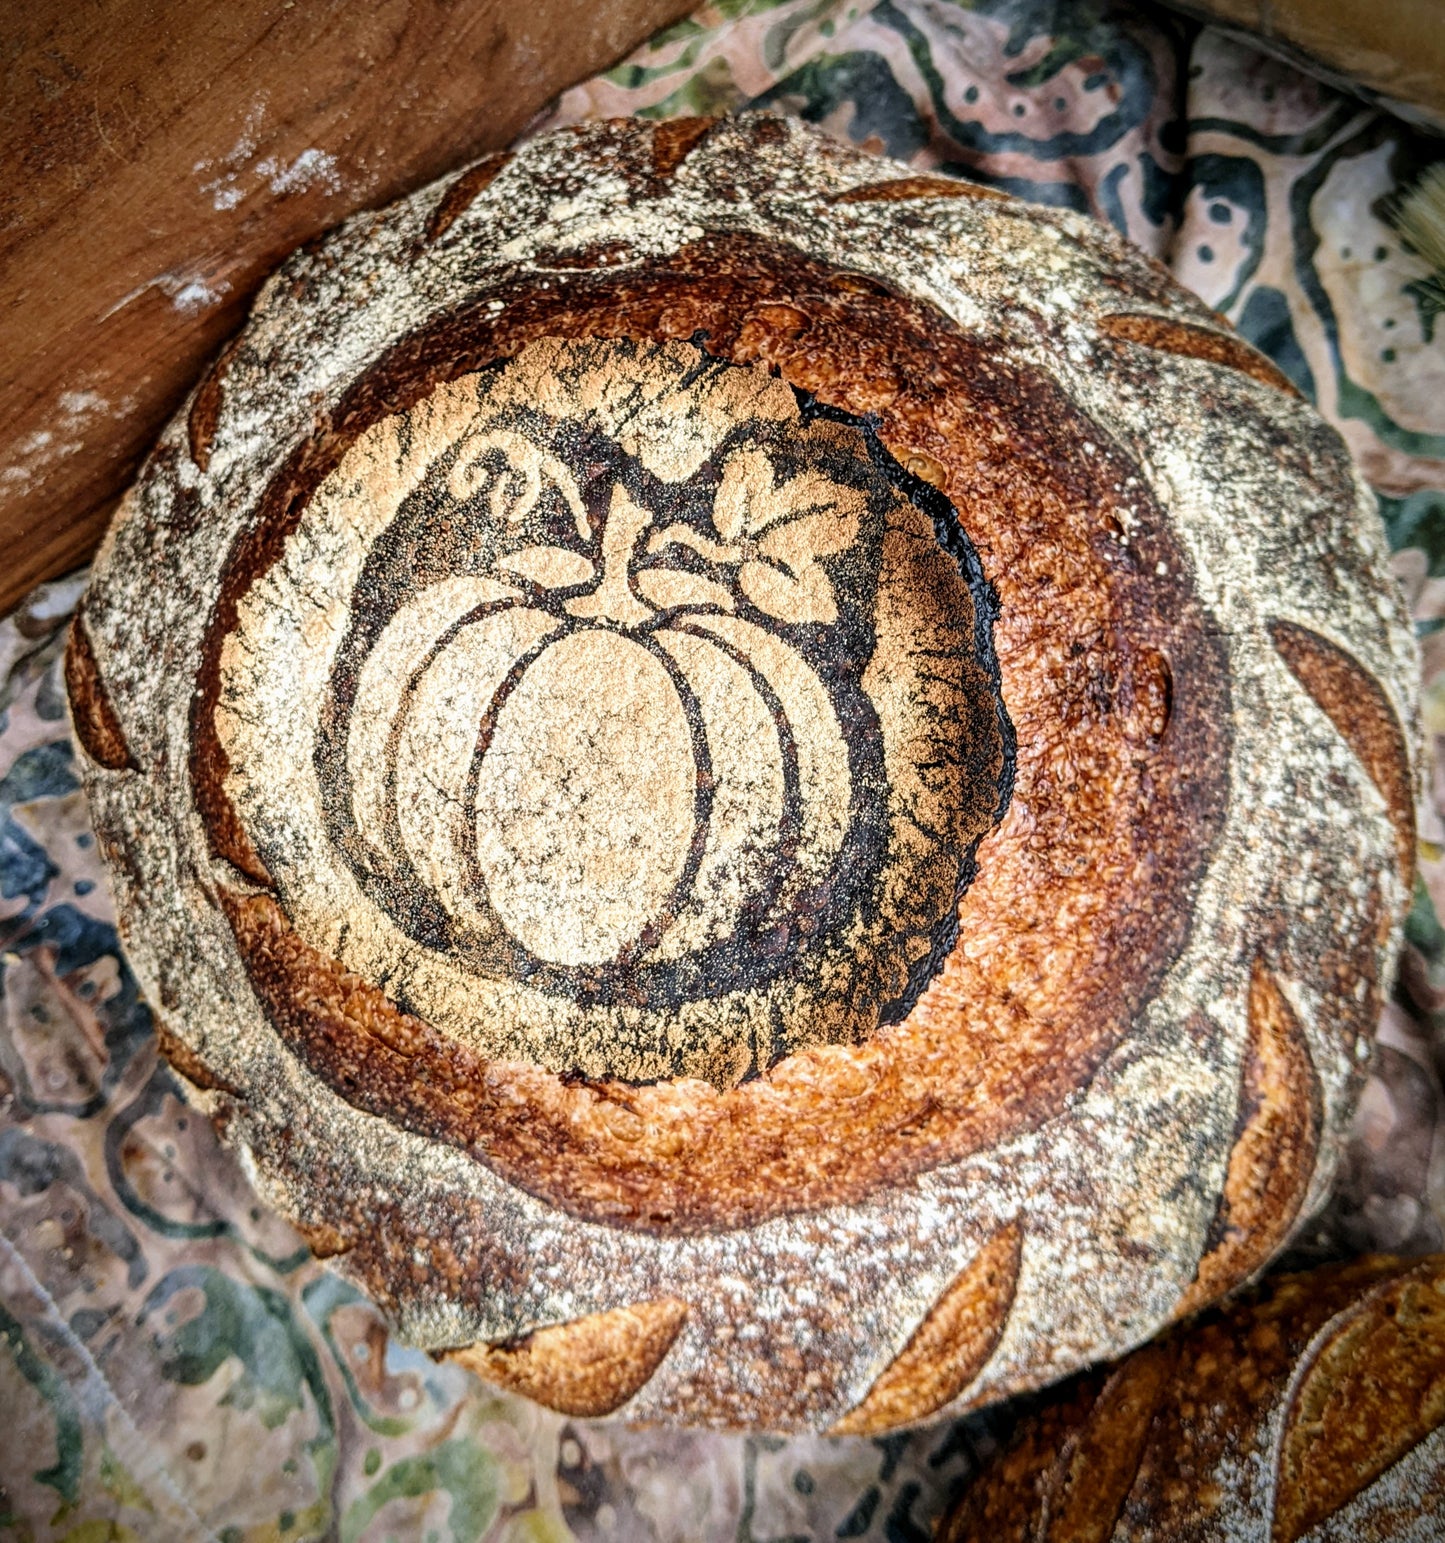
(1311, 1412)
(764, 790)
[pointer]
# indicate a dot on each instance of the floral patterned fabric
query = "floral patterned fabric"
(173, 1363)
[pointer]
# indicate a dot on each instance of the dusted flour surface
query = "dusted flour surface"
(166, 1326)
(654, 737)
(726, 769)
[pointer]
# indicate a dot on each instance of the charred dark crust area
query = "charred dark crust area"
(1019, 1488)
(1110, 673)
(1353, 701)
(460, 196)
(992, 773)
(902, 189)
(1193, 342)
(96, 725)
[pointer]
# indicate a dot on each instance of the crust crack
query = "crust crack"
(1275, 1145)
(588, 1367)
(948, 1350)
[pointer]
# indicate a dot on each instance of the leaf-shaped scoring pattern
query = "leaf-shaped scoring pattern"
(774, 530)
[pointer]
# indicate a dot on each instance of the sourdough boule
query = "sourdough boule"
(763, 790)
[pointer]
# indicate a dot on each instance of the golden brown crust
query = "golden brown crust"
(96, 725)
(1218, 347)
(1115, 802)
(1362, 715)
(902, 189)
(1315, 1397)
(1096, 1469)
(948, 1349)
(1273, 1158)
(587, 1368)
(1372, 1389)
(676, 139)
(462, 193)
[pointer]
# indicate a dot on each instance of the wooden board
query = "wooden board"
(1392, 50)
(161, 157)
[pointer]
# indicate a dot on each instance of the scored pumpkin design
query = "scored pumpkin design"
(764, 792)
(645, 718)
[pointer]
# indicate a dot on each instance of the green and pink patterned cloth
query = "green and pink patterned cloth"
(173, 1362)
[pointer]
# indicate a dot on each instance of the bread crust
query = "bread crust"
(1312, 1408)
(1170, 804)
(1118, 862)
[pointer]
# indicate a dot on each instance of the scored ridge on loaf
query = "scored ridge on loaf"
(587, 1368)
(1272, 1162)
(948, 1349)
